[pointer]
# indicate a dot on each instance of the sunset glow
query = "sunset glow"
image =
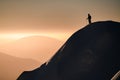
(51, 19)
(34, 30)
(13, 36)
(16, 36)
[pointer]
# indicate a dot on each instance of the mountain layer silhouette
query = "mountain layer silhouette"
(11, 67)
(34, 46)
(92, 53)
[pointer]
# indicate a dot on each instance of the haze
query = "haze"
(32, 31)
(54, 15)
(56, 19)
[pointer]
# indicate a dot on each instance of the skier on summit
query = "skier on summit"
(89, 18)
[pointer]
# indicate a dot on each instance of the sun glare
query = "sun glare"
(13, 36)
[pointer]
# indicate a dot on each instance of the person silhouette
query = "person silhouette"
(89, 18)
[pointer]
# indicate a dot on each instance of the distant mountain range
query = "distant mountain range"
(35, 47)
(11, 67)
(91, 53)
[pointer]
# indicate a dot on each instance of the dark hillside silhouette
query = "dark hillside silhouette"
(92, 53)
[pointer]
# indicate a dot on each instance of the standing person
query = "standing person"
(89, 18)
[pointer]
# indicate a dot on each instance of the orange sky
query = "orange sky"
(44, 26)
(57, 19)
(53, 18)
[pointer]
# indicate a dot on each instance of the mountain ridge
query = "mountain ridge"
(90, 53)
(11, 67)
(34, 46)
